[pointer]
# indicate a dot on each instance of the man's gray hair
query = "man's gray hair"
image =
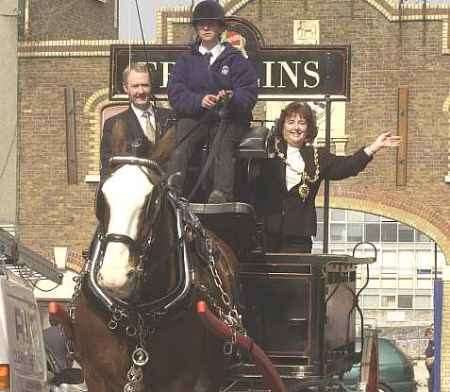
(139, 67)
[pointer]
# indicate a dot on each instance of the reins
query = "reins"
(222, 111)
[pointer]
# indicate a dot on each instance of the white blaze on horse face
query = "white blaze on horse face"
(125, 192)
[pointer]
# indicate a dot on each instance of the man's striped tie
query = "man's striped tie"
(149, 130)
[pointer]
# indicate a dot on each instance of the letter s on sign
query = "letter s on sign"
(312, 69)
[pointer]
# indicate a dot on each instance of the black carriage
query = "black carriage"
(299, 308)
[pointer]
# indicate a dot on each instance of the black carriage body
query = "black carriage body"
(299, 309)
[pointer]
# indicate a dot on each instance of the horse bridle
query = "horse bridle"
(141, 247)
(136, 247)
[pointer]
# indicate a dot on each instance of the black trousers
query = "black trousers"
(223, 162)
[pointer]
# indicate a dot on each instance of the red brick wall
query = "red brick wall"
(52, 212)
(385, 56)
(60, 20)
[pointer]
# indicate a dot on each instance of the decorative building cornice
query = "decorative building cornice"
(231, 9)
(410, 11)
(167, 17)
(70, 48)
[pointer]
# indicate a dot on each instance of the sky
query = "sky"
(129, 24)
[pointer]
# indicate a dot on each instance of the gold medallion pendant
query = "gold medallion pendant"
(303, 191)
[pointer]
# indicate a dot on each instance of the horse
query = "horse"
(135, 327)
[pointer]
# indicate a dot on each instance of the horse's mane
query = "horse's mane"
(119, 136)
(164, 147)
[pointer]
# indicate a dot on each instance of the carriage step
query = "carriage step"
(234, 208)
(249, 371)
(255, 384)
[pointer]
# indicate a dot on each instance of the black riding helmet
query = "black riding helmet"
(208, 10)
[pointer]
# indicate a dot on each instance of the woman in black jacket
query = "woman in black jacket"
(289, 183)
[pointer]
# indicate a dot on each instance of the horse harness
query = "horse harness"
(140, 321)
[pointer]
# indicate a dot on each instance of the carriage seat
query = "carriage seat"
(250, 152)
(235, 223)
(253, 143)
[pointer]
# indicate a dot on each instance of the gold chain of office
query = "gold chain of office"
(303, 189)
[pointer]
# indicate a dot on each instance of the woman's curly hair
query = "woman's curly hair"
(304, 111)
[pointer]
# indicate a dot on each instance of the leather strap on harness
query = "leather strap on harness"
(271, 377)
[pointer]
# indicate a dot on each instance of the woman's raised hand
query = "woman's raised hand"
(385, 139)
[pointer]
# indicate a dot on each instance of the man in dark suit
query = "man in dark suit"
(289, 183)
(145, 123)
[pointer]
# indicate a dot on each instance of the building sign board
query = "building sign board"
(284, 73)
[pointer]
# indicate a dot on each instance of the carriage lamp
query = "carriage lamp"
(60, 256)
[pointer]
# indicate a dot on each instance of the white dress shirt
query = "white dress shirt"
(215, 52)
(142, 118)
(296, 165)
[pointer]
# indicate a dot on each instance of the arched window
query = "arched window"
(400, 290)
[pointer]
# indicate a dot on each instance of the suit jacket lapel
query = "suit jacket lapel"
(134, 127)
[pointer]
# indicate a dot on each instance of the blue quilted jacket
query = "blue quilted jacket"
(192, 78)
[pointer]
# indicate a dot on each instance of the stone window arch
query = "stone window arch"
(98, 109)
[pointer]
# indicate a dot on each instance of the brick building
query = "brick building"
(396, 48)
(63, 47)
(66, 54)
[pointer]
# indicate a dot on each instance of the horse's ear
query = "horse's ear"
(164, 147)
(119, 137)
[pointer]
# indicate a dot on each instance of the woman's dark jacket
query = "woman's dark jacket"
(286, 215)
(192, 78)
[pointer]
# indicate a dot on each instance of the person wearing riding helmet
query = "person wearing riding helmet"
(201, 78)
